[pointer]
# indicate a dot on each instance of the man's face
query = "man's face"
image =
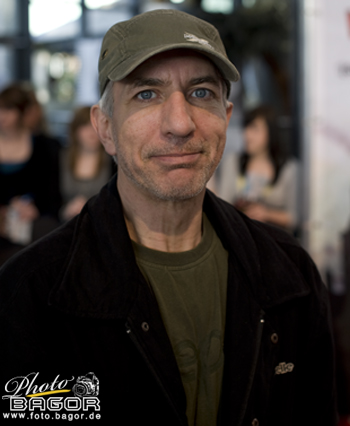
(169, 125)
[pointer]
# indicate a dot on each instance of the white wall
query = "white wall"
(326, 129)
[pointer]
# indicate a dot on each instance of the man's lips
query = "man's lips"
(176, 158)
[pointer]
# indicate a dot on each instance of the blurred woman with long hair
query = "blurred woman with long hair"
(262, 181)
(29, 173)
(85, 166)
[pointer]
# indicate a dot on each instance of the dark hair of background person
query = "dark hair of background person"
(81, 118)
(21, 96)
(15, 97)
(277, 152)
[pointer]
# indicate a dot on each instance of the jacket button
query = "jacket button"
(255, 422)
(274, 337)
(145, 326)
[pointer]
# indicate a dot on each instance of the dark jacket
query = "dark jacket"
(38, 178)
(76, 302)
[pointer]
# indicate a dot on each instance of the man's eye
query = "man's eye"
(146, 95)
(201, 93)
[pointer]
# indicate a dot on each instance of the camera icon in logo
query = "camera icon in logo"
(86, 386)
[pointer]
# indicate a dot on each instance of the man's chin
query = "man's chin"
(172, 185)
(177, 192)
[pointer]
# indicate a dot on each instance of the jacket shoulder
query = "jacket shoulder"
(265, 249)
(290, 245)
(264, 230)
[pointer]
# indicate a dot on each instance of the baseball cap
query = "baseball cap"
(127, 44)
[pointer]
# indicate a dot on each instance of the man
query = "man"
(183, 311)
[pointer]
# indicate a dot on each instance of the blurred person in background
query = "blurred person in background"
(85, 166)
(35, 117)
(261, 181)
(29, 182)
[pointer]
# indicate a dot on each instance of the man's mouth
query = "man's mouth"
(177, 158)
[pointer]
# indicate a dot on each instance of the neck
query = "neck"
(84, 150)
(169, 226)
(263, 155)
(15, 135)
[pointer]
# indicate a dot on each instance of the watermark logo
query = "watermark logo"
(86, 386)
(30, 399)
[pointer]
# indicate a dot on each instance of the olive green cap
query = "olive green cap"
(128, 44)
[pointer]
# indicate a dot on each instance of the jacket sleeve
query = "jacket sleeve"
(316, 402)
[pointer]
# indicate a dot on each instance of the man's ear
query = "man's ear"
(103, 127)
(229, 109)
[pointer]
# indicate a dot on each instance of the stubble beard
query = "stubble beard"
(145, 179)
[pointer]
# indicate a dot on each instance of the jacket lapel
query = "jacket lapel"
(260, 276)
(100, 276)
(271, 277)
(148, 333)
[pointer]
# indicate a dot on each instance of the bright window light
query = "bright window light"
(177, 1)
(217, 6)
(47, 15)
(96, 4)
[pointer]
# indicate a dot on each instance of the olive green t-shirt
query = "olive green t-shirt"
(190, 288)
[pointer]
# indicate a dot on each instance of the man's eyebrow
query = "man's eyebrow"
(141, 82)
(205, 79)
(156, 82)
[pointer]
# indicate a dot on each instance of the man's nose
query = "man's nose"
(177, 116)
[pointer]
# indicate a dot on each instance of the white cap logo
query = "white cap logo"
(195, 39)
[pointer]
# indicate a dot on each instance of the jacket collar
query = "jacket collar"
(101, 279)
(273, 278)
(100, 276)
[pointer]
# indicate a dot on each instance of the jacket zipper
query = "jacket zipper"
(139, 347)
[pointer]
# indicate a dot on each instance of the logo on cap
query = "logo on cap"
(195, 39)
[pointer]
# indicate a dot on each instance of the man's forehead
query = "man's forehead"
(193, 64)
